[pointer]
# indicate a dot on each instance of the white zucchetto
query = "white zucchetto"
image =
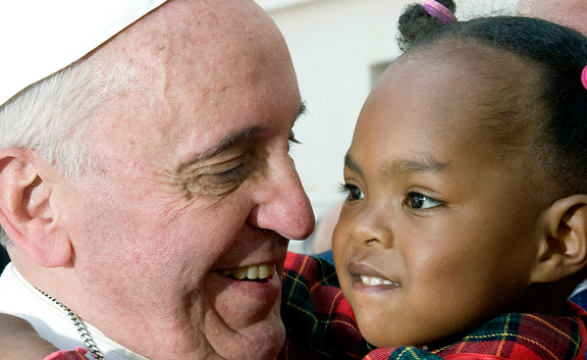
(41, 37)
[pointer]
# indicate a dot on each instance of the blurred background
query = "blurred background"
(339, 49)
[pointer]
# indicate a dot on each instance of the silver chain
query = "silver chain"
(81, 330)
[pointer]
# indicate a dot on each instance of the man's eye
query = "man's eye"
(421, 202)
(291, 140)
(352, 192)
(220, 183)
(236, 174)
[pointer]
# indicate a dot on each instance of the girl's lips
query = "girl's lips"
(366, 277)
(356, 268)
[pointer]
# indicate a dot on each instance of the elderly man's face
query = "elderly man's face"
(198, 187)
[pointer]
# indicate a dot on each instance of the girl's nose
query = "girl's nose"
(369, 226)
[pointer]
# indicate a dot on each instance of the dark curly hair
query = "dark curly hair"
(559, 55)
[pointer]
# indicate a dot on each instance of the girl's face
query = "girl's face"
(439, 231)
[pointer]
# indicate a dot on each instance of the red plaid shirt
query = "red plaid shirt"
(321, 325)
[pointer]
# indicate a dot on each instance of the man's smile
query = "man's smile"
(260, 273)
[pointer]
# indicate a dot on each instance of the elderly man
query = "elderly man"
(147, 188)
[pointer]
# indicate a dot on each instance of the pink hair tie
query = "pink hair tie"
(584, 77)
(439, 11)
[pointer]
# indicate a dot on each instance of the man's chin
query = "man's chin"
(262, 340)
(245, 322)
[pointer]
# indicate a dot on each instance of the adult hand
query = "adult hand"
(20, 341)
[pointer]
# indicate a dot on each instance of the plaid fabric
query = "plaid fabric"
(78, 354)
(321, 325)
(319, 321)
(510, 336)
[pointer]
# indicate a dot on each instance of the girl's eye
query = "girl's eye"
(419, 201)
(352, 192)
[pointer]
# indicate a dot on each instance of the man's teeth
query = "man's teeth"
(376, 281)
(254, 272)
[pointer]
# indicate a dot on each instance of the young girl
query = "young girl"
(464, 230)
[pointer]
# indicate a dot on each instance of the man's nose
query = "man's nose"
(283, 206)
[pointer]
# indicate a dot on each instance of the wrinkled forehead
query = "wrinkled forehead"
(194, 61)
(204, 37)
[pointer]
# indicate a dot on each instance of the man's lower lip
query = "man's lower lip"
(261, 281)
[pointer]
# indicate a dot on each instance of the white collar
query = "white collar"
(18, 297)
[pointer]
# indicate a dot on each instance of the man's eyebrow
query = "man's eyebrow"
(229, 141)
(217, 149)
(302, 110)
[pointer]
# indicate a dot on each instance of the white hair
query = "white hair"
(57, 117)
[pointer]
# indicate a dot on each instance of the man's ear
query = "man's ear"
(25, 208)
(563, 249)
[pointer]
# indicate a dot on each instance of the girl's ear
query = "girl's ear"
(563, 248)
(26, 214)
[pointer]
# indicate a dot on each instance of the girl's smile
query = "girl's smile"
(368, 279)
(431, 241)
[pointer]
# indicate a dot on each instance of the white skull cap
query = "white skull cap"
(41, 37)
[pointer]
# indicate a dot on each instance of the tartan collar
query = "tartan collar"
(513, 336)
